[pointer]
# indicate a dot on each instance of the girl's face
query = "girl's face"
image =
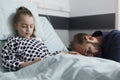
(25, 26)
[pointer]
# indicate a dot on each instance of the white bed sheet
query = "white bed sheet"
(67, 67)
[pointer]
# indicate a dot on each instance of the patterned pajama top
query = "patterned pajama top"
(18, 50)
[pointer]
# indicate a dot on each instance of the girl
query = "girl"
(24, 49)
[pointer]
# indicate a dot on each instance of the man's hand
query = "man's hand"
(74, 53)
(77, 53)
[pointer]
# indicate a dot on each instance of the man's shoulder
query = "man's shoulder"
(113, 36)
(115, 32)
(102, 33)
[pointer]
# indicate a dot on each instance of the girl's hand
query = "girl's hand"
(37, 59)
(29, 63)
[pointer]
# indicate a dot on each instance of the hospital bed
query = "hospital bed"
(59, 67)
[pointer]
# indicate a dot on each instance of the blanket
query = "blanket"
(67, 67)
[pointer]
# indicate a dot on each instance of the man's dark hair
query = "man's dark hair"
(79, 39)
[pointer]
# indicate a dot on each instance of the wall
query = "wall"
(92, 7)
(53, 7)
(118, 15)
(64, 36)
(91, 15)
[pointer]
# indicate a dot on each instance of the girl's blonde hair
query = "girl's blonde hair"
(22, 11)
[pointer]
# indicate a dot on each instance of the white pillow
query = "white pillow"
(7, 10)
(52, 40)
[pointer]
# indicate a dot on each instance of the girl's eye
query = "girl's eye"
(24, 26)
(32, 26)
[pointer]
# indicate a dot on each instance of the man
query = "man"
(102, 44)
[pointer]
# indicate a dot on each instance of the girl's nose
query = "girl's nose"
(28, 29)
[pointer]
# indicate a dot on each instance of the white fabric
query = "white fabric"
(67, 67)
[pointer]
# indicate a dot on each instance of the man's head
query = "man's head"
(85, 44)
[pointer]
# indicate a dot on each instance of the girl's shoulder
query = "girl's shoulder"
(17, 38)
(39, 39)
(12, 38)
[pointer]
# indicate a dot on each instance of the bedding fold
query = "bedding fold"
(67, 67)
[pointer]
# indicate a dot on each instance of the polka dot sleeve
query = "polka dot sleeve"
(9, 58)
